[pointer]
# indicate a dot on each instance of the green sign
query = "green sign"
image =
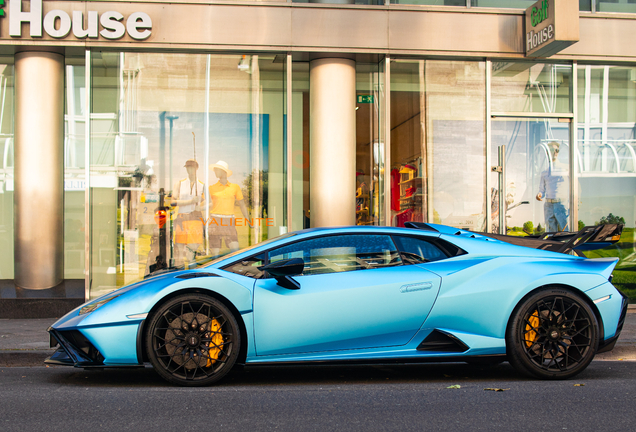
(365, 99)
(551, 25)
(538, 15)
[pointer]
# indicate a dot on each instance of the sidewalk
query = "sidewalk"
(25, 342)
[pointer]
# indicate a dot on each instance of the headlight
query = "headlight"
(92, 306)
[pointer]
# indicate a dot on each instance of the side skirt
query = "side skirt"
(450, 359)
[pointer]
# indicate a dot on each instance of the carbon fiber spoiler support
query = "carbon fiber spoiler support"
(589, 238)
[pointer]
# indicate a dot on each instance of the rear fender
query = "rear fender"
(481, 298)
(608, 303)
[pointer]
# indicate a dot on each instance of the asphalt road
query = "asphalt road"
(360, 398)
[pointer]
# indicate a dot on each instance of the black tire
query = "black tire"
(192, 340)
(553, 334)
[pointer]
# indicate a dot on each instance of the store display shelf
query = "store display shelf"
(411, 180)
(412, 197)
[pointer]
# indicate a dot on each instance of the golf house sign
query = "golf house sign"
(58, 23)
(551, 25)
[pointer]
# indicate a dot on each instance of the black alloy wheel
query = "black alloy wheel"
(553, 334)
(192, 340)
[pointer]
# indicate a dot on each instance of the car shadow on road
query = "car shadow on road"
(313, 375)
(299, 375)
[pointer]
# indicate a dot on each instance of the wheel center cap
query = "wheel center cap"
(193, 340)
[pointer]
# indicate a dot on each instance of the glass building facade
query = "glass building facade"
(173, 156)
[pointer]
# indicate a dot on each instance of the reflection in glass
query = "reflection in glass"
(369, 144)
(6, 167)
(531, 87)
(342, 2)
(517, 4)
(628, 6)
(300, 146)
(431, 2)
(537, 176)
(334, 254)
(606, 150)
(186, 160)
(438, 143)
(584, 5)
(74, 171)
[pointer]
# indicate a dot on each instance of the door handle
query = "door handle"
(419, 286)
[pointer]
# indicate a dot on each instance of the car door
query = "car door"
(354, 293)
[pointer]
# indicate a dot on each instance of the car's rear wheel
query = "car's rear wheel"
(553, 334)
(192, 340)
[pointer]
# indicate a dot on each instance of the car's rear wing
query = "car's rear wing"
(589, 238)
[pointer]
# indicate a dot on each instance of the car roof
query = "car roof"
(473, 243)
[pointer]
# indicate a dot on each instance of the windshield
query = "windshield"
(206, 261)
(263, 243)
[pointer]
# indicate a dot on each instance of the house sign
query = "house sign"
(551, 26)
(59, 24)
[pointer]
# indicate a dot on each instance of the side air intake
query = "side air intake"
(440, 341)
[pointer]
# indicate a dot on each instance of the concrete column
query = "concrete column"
(332, 138)
(39, 169)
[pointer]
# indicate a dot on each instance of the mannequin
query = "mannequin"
(224, 197)
(188, 194)
(554, 188)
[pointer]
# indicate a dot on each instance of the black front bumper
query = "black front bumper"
(75, 350)
(609, 344)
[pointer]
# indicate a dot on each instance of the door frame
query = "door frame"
(501, 163)
(573, 156)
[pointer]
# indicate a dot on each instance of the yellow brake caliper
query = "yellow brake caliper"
(531, 335)
(216, 343)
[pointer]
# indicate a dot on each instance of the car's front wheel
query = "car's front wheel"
(553, 334)
(192, 340)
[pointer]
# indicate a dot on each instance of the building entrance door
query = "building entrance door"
(530, 175)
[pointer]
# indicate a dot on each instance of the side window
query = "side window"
(248, 267)
(341, 253)
(418, 251)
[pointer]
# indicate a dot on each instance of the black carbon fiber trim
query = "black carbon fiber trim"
(196, 275)
(440, 341)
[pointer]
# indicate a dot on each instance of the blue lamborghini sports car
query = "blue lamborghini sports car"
(362, 294)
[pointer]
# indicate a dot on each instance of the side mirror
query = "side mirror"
(283, 271)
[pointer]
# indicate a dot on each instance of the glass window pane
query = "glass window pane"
(369, 144)
(616, 6)
(537, 175)
(300, 146)
(606, 148)
(531, 87)
(438, 142)
(517, 4)
(584, 5)
(340, 253)
(431, 2)
(187, 159)
(248, 267)
(6, 172)
(417, 251)
(74, 174)
(358, 2)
